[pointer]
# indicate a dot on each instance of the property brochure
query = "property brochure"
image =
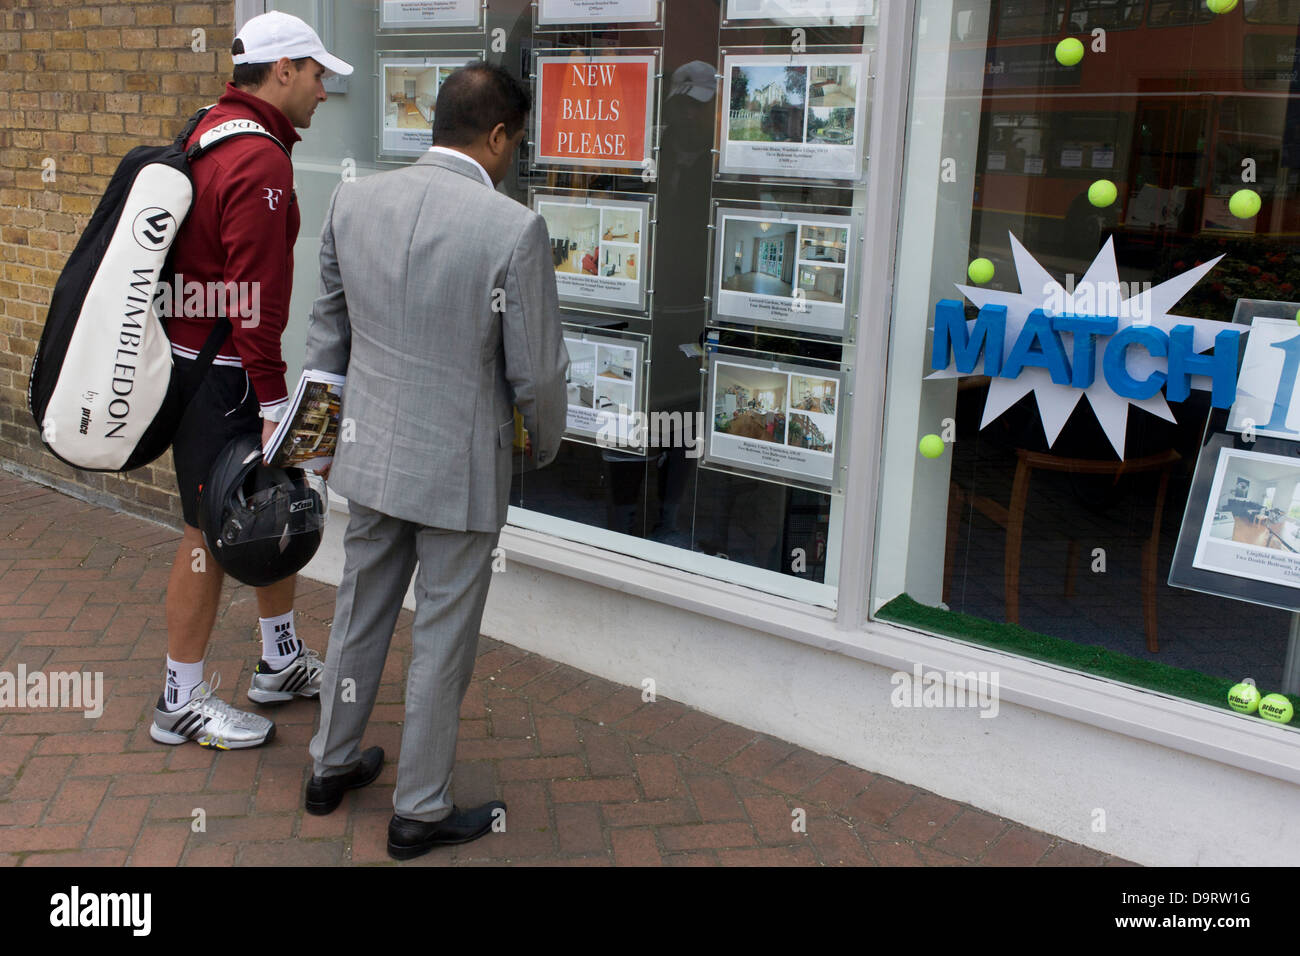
(1251, 525)
(426, 14)
(783, 269)
(310, 430)
(838, 12)
(598, 249)
(408, 90)
(794, 116)
(774, 418)
(603, 385)
(597, 11)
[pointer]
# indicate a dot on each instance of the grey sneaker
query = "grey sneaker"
(299, 678)
(210, 722)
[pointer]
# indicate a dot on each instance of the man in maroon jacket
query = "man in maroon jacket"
(241, 230)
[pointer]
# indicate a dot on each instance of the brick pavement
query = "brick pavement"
(592, 774)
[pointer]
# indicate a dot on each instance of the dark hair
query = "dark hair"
(253, 75)
(474, 99)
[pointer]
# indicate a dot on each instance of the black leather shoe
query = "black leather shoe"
(324, 794)
(408, 839)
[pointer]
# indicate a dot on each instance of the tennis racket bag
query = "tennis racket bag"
(103, 389)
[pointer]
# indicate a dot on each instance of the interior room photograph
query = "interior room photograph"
(749, 403)
(813, 394)
(575, 237)
(832, 86)
(582, 373)
(1259, 505)
(412, 92)
(616, 364)
(759, 257)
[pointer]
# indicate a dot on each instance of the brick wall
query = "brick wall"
(81, 84)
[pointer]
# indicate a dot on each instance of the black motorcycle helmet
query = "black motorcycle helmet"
(261, 524)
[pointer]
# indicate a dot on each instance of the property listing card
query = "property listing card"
(775, 418)
(794, 116)
(597, 11)
(598, 247)
(786, 269)
(429, 13)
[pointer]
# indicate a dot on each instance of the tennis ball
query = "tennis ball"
(1243, 698)
(931, 446)
(1220, 6)
(980, 271)
(1297, 316)
(1069, 51)
(1102, 193)
(1276, 707)
(1244, 203)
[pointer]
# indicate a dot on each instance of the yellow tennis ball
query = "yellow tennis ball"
(1277, 708)
(931, 446)
(980, 271)
(1243, 698)
(1102, 193)
(1244, 203)
(1069, 51)
(1220, 6)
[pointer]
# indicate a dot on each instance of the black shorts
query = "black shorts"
(222, 408)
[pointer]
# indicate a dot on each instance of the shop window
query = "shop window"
(706, 224)
(1088, 15)
(1030, 18)
(1146, 535)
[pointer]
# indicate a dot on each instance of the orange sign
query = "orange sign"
(594, 111)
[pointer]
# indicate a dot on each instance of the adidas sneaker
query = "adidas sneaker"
(299, 678)
(210, 722)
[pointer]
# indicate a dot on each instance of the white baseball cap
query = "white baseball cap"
(269, 36)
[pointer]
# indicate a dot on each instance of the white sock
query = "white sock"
(280, 645)
(182, 678)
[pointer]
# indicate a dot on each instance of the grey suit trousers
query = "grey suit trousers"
(451, 585)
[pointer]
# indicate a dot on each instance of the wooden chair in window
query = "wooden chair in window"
(1012, 518)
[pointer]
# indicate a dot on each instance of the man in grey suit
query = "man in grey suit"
(438, 302)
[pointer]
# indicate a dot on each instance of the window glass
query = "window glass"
(1059, 505)
(1030, 18)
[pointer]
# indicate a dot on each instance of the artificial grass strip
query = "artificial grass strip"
(1087, 658)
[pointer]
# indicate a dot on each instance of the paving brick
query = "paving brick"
(796, 773)
(880, 801)
(291, 853)
(706, 836)
(557, 736)
(758, 758)
(836, 843)
(78, 858)
(924, 818)
(77, 801)
(773, 819)
(838, 786)
(160, 844)
(1071, 854)
(970, 834)
(647, 813)
(715, 799)
(635, 848)
(118, 822)
(578, 829)
(594, 791)
(658, 776)
(720, 745)
(769, 856)
(540, 768)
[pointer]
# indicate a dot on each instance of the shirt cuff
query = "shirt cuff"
(276, 412)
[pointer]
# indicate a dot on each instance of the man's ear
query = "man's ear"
(498, 140)
(283, 70)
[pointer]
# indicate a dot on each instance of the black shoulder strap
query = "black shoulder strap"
(216, 338)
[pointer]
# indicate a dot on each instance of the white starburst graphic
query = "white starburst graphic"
(1091, 296)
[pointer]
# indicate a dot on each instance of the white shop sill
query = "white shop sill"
(1248, 743)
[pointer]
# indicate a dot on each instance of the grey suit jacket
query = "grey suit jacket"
(438, 303)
